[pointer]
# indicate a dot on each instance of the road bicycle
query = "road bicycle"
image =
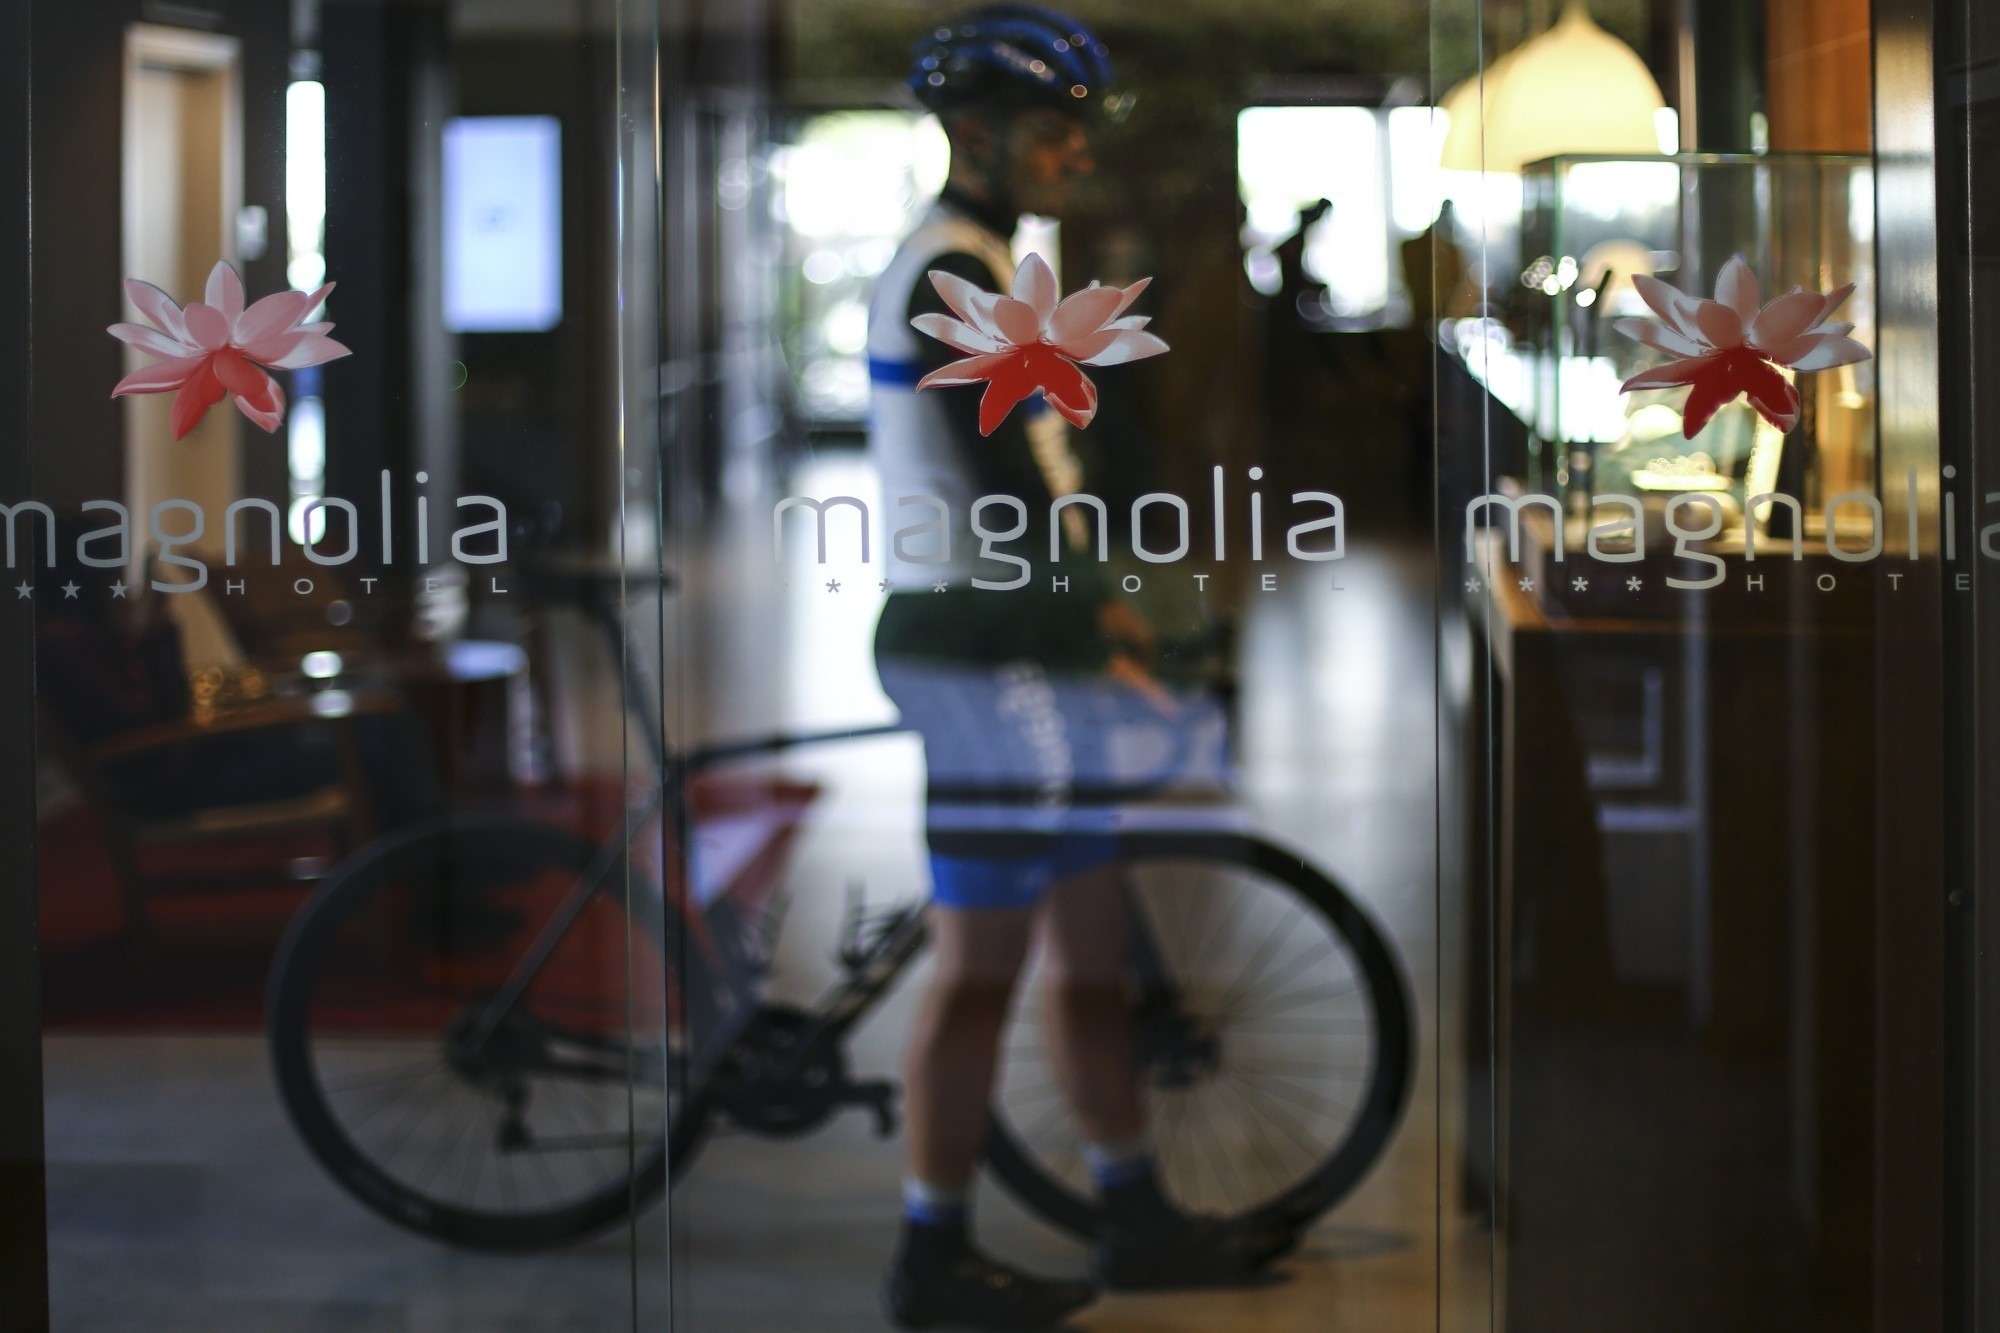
(506, 1036)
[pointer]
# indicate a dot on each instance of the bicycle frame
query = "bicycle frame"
(673, 770)
(882, 965)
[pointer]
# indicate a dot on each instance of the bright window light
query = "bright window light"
(1614, 190)
(305, 448)
(860, 173)
(305, 270)
(305, 184)
(1379, 169)
(849, 187)
(1667, 124)
(1416, 185)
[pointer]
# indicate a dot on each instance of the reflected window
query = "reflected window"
(850, 186)
(1378, 168)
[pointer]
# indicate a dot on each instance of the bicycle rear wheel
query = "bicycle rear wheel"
(1273, 1039)
(428, 1096)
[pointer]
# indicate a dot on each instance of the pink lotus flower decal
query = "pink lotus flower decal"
(215, 347)
(1027, 342)
(1735, 344)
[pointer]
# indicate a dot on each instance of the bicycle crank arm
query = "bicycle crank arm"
(874, 1095)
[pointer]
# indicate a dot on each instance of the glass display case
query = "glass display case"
(1591, 224)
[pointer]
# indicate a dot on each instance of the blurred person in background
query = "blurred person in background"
(1012, 695)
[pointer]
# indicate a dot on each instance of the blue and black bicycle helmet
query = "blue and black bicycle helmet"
(1018, 54)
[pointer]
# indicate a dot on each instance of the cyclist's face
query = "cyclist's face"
(1047, 153)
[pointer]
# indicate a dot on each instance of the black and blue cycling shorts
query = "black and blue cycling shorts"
(1012, 755)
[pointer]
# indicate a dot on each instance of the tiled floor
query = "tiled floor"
(182, 1200)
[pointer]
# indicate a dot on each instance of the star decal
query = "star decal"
(1473, 585)
(118, 589)
(940, 586)
(833, 585)
(1635, 583)
(24, 591)
(70, 590)
(1527, 585)
(1580, 583)
(886, 585)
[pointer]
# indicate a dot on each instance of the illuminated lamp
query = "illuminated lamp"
(1574, 89)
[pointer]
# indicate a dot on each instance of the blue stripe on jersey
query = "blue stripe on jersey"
(901, 374)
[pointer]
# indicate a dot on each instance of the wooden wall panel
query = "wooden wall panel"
(1821, 64)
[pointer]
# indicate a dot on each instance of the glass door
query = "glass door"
(345, 981)
(1048, 472)
(1712, 537)
(839, 665)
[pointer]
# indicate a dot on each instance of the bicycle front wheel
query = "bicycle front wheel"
(446, 1080)
(1271, 1031)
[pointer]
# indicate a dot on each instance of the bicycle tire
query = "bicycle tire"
(1064, 1202)
(498, 849)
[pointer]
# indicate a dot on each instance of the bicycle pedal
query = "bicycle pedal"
(879, 1097)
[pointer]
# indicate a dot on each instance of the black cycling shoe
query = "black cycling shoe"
(974, 1292)
(1173, 1251)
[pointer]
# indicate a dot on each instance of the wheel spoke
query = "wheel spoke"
(1249, 1044)
(377, 1026)
(1260, 1142)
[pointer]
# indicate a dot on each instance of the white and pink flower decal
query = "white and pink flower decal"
(215, 347)
(1031, 342)
(1735, 344)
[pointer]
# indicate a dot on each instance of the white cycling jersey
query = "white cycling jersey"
(910, 435)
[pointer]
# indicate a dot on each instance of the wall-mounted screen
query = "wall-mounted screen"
(502, 224)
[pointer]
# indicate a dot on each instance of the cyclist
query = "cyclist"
(1007, 691)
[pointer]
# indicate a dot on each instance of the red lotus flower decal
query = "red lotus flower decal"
(1734, 344)
(214, 347)
(1028, 342)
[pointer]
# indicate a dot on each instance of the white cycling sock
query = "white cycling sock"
(1123, 1162)
(926, 1204)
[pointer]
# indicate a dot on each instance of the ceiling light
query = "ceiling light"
(1574, 89)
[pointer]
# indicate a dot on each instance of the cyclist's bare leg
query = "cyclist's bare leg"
(1145, 1240)
(1088, 1012)
(938, 1275)
(954, 1044)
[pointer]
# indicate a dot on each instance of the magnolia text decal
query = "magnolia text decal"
(1317, 532)
(178, 527)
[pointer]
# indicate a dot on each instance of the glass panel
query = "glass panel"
(1707, 552)
(1969, 152)
(783, 665)
(1158, 755)
(352, 1002)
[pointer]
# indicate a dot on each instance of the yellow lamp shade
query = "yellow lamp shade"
(1574, 89)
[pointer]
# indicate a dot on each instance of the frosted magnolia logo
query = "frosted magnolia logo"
(254, 530)
(1735, 344)
(215, 347)
(1320, 535)
(207, 350)
(1031, 342)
